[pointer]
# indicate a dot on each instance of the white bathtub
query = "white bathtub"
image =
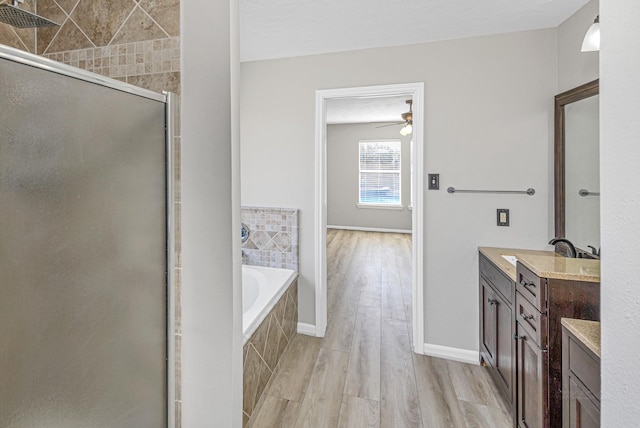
(262, 287)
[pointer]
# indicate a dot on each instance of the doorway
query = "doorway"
(415, 92)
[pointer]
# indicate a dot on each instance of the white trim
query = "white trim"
(455, 354)
(380, 207)
(416, 91)
(368, 229)
(306, 329)
(170, 118)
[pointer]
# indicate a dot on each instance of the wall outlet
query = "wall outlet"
(434, 181)
(503, 217)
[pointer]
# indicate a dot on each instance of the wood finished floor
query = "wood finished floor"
(363, 373)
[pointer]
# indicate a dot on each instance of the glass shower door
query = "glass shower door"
(83, 253)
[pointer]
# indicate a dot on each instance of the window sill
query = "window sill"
(380, 207)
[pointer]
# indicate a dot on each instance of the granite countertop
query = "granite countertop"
(494, 254)
(587, 270)
(546, 264)
(587, 332)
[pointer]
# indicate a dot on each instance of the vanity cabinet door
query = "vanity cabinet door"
(488, 322)
(504, 344)
(531, 368)
(583, 413)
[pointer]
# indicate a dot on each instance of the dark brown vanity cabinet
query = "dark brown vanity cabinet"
(580, 383)
(540, 303)
(496, 326)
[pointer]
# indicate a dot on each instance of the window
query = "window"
(380, 172)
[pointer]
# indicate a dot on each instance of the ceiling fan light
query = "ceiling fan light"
(591, 42)
(406, 130)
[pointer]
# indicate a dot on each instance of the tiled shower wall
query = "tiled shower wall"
(106, 37)
(135, 41)
(273, 237)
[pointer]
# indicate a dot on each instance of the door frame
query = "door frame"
(416, 91)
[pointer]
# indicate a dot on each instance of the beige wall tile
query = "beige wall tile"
(100, 19)
(164, 12)
(138, 27)
(50, 10)
(67, 5)
(157, 82)
(9, 37)
(68, 38)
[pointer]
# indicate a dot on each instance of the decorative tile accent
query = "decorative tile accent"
(273, 241)
(264, 349)
(142, 60)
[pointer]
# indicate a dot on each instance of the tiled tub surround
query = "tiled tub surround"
(262, 352)
(273, 241)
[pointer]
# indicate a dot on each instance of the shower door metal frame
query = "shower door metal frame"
(170, 101)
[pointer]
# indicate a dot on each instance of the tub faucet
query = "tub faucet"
(572, 249)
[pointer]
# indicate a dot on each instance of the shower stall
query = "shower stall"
(85, 249)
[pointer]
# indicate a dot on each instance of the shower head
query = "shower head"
(11, 14)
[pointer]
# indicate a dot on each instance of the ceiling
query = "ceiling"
(287, 28)
(366, 110)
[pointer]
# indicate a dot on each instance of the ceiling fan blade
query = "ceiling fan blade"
(391, 124)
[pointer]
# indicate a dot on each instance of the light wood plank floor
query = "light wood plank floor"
(363, 373)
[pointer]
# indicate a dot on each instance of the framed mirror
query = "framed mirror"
(577, 167)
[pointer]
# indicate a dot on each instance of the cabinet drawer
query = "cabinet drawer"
(531, 321)
(585, 367)
(531, 287)
(503, 284)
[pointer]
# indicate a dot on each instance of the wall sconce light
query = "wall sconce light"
(591, 41)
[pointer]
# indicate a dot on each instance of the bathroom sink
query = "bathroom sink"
(510, 259)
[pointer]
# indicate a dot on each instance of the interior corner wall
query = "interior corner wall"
(210, 389)
(343, 178)
(488, 125)
(620, 211)
(575, 67)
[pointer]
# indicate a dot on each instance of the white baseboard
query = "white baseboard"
(306, 329)
(369, 229)
(455, 354)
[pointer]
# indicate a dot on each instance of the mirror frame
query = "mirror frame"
(561, 100)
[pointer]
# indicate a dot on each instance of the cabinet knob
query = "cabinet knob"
(492, 301)
(527, 317)
(516, 337)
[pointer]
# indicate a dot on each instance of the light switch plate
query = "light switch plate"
(434, 181)
(503, 217)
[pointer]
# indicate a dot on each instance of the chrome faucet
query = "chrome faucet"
(572, 249)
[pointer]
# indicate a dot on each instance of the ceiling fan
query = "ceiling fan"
(407, 121)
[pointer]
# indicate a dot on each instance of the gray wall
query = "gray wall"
(620, 217)
(488, 117)
(342, 178)
(575, 67)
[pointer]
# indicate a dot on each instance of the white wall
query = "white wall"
(488, 121)
(342, 178)
(620, 225)
(575, 67)
(211, 342)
